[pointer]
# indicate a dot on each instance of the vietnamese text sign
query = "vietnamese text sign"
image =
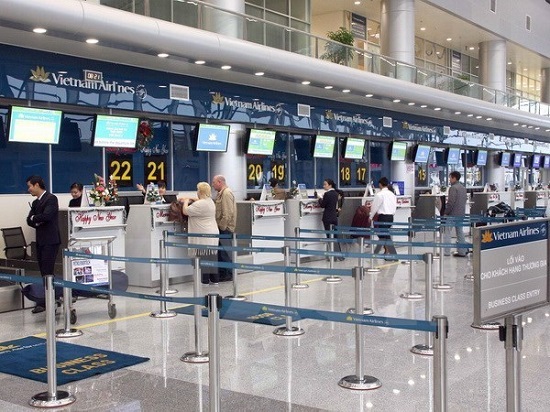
(510, 268)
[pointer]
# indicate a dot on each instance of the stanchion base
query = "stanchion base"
(486, 326)
(365, 384)
(333, 279)
(68, 333)
(168, 291)
(444, 286)
(167, 314)
(300, 286)
(373, 270)
(423, 350)
(293, 331)
(412, 295)
(238, 297)
(43, 400)
(469, 277)
(366, 311)
(194, 357)
(405, 262)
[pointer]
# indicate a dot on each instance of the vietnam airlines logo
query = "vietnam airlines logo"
(40, 75)
(217, 98)
(486, 237)
(329, 114)
(8, 347)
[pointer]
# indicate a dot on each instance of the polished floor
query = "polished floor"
(264, 372)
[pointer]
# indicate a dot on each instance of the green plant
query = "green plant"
(337, 50)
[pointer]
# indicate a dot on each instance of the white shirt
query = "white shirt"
(384, 203)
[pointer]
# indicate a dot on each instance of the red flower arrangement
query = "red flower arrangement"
(145, 134)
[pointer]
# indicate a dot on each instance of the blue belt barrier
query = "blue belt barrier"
(175, 261)
(280, 269)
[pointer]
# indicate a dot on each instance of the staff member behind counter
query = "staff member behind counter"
(76, 193)
(162, 192)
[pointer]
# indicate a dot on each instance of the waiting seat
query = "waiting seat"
(16, 245)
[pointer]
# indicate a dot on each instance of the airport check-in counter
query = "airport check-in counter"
(261, 218)
(95, 223)
(481, 201)
(146, 225)
(535, 198)
(304, 214)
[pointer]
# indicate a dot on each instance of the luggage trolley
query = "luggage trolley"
(91, 272)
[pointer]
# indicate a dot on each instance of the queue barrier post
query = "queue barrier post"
(427, 349)
(164, 266)
(52, 398)
(67, 331)
(372, 268)
(410, 294)
(288, 329)
(214, 303)
(512, 335)
(111, 307)
(235, 271)
(298, 245)
(198, 356)
(440, 363)
(441, 285)
(359, 286)
(332, 279)
(359, 381)
(163, 312)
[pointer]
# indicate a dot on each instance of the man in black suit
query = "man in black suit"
(331, 203)
(43, 216)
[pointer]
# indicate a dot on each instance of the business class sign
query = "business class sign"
(510, 268)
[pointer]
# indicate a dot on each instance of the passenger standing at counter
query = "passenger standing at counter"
(384, 206)
(456, 206)
(330, 202)
(43, 217)
(202, 219)
(76, 193)
(226, 217)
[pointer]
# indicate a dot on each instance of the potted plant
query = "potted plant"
(339, 50)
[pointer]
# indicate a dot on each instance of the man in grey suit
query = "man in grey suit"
(456, 206)
(43, 216)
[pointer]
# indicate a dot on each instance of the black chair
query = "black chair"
(16, 245)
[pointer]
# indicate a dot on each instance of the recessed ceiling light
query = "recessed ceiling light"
(449, 38)
(478, 116)
(547, 130)
(163, 55)
(39, 30)
(396, 100)
(458, 112)
(516, 124)
(259, 74)
(509, 63)
(423, 29)
(423, 106)
(537, 128)
(525, 69)
(357, 3)
(328, 87)
(346, 91)
(200, 62)
(306, 82)
(411, 103)
(226, 67)
(523, 125)
(471, 48)
(437, 109)
(92, 41)
(489, 119)
(162, 86)
(529, 127)
(470, 115)
(369, 95)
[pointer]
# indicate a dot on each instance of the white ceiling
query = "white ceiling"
(439, 26)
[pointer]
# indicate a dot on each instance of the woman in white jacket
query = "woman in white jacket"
(202, 219)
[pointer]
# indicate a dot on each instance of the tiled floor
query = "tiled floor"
(261, 371)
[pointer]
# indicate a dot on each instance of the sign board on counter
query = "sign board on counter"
(91, 272)
(510, 269)
(269, 208)
(159, 215)
(96, 217)
(310, 207)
